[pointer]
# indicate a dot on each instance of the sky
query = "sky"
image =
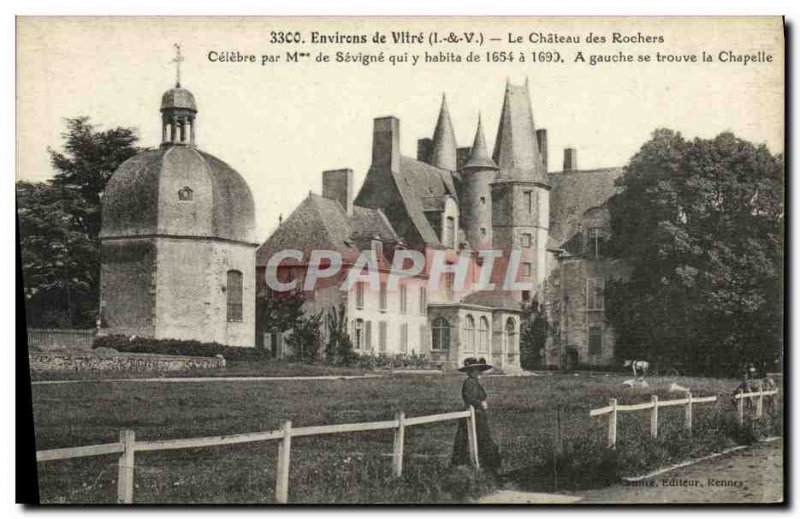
(281, 125)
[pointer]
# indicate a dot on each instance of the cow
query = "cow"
(640, 367)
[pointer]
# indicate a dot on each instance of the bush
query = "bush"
(397, 361)
(135, 344)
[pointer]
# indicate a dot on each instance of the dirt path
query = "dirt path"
(752, 475)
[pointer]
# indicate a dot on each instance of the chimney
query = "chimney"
(424, 148)
(570, 159)
(337, 184)
(386, 142)
(541, 140)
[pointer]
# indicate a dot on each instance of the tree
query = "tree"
(701, 225)
(533, 336)
(59, 223)
(339, 349)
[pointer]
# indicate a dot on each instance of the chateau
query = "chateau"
(179, 258)
(460, 201)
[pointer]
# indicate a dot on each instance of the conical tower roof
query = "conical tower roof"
(479, 156)
(444, 153)
(516, 151)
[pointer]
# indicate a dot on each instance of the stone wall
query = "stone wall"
(55, 361)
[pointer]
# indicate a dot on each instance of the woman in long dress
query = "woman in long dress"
(474, 395)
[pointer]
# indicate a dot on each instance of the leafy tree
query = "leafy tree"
(59, 222)
(305, 340)
(701, 224)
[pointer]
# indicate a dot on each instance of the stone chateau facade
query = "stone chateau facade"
(179, 257)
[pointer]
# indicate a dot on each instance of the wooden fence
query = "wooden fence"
(740, 397)
(654, 405)
(128, 446)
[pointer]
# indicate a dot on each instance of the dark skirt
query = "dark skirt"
(488, 453)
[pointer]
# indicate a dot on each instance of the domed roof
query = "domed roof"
(178, 98)
(178, 191)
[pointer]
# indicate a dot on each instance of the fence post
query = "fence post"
(126, 463)
(472, 437)
(284, 451)
(774, 400)
(612, 424)
(740, 406)
(654, 417)
(760, 403)
(687, 418)
(399, 437)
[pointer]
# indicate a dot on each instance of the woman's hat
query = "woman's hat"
(474, 363)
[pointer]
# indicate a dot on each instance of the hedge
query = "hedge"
(127, 344)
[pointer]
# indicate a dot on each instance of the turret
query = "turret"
(477, 174)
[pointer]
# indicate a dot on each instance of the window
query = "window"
(360, 295)
(527, 269)
(483, 200)
(595, 340)
(469, 333)
(404, 338)
(403, 299)
(450, 237)
(423, 300)
(358, 335)
(527, 240)
(423, 338)
(234, 292)
(441, 335)
(596, 241)
(483, 335)
(383, 296)
(528, 195)
(595, 288)
(449, 280)
(483, 232)
(382, 336)
(185, 194)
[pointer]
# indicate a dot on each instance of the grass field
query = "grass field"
(355, 467)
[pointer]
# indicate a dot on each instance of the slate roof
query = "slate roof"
(321, 223)
(444, 154)
(178, 98)
(572, 194)
(479, 154)
(516, 150)
(135, 201)
(497, 299)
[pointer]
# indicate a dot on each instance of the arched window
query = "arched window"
(234, 292)
(441, 335)
(483, 335)
(469, 333)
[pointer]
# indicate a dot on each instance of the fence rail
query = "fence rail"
(128, 446)
(654, 405)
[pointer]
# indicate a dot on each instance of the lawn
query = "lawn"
(355, 467)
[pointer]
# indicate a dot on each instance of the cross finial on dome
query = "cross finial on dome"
(177, 60)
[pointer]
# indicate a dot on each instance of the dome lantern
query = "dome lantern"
(178, 111)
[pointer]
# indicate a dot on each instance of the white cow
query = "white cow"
(640, 367)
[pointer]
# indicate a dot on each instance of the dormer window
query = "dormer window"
(185, 194)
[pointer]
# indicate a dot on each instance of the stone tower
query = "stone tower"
(476, 207)
(178, 241)
(520, 193)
